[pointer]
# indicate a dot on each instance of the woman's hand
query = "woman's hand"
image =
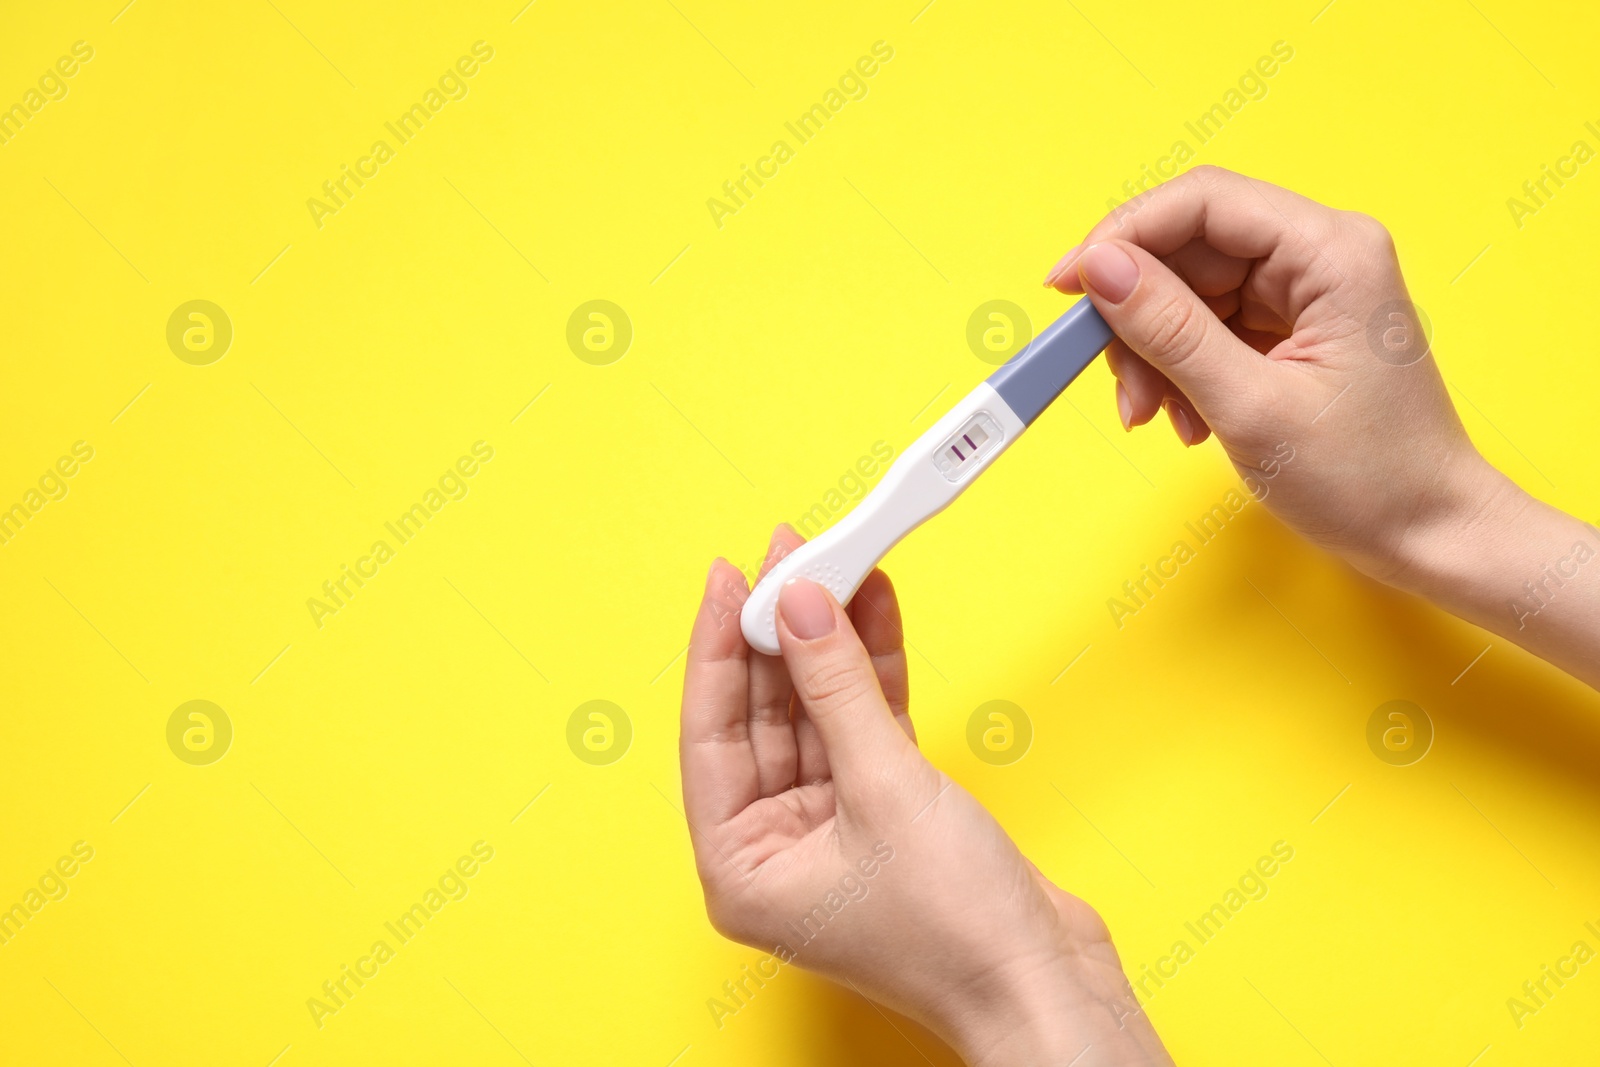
(1285, 327)
(823, 836)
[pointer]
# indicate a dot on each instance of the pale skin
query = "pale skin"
(1247, 312)
(1252, 312)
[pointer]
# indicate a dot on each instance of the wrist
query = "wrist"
(1049, 1013)
(1449, 546)
(1504, 560)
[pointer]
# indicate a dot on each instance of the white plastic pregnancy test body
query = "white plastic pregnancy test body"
(934, 470)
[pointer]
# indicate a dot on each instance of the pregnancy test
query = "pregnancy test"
(930, 474)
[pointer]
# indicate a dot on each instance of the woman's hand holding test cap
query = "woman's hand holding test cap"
(1250, 312)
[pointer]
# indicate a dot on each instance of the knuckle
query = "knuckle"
(1213, 183)
(1175, 329)
(833, 682)
(1368, 230)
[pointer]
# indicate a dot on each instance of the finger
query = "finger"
(1186, 422)
(1206, 270)
(785, 539)
(1143, 391)
(1162, 320)
(834, 677)
(801, 759)
(1064, 272)
(1223, 307)
(1236, 215)
(810, 758)
(1262, 341)
(875, 613)
(771, 733)
(1144, 387)
(1214, 276)
(1286, 243)
(1256, 314)
(719, 767)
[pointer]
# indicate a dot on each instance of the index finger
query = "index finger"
(1237, 215)
(719, 764)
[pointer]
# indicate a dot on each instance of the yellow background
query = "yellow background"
(768, 356)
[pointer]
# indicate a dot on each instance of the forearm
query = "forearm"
(1497, 557)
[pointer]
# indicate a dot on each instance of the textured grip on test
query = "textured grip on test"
(812, 561)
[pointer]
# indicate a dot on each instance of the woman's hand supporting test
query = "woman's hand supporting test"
(1278, 323)
(824, 838)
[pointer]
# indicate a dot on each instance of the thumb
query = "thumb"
(835, 680)
(1161, 318)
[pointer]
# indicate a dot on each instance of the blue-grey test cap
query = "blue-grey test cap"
(1030, 380)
